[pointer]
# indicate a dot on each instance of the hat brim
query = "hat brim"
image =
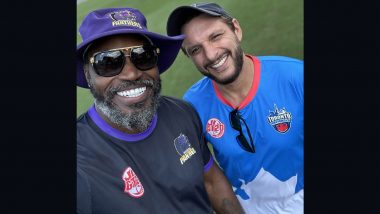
(178, 17)
(169, 48)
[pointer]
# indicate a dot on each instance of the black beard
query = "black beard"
(138, 120)
(238, 66)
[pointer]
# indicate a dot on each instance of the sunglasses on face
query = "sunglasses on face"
(235, 119)
(111, 62)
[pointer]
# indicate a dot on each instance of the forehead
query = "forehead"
(117, 41)
(201, 27)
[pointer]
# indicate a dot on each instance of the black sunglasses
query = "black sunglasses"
(235, 119)
(111, 62)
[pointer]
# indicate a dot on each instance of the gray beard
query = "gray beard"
(139, 120)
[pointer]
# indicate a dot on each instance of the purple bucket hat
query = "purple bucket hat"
(111, 21)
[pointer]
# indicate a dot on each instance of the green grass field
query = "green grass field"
(270, 27)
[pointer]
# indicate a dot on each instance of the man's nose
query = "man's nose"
(210, 51)
(129, 71)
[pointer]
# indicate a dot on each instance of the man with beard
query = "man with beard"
(253, 116)
(137, 151)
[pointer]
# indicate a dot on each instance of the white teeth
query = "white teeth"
(132, 93)
(218, 64)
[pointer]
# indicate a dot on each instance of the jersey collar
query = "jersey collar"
(252, 91)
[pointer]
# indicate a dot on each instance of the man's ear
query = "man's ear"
(87, 74)
(238, 31)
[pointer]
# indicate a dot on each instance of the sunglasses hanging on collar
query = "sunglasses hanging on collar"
(235, 119)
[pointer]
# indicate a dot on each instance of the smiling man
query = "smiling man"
(254, 112)
(137, 151)
(130, 102)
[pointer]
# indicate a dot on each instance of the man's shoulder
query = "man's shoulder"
(171, 106)
(282, 67)
(82, 121)
(85, 131)
(201, 88)
(169, 102)
(81, 118)
(279, 59)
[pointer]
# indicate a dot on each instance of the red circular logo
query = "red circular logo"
(215, 128)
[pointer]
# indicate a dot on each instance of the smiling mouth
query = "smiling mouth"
(132, 92)
(219, 62)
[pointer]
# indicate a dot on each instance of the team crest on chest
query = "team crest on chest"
(183, 147)
(280, 120)
(132, 183)
(215, 128)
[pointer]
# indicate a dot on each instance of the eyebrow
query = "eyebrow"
(216, 32)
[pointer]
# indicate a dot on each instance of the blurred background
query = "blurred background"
(270, 27)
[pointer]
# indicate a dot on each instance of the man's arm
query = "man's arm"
(220, 192)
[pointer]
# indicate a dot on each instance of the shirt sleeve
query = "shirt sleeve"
(208, 160)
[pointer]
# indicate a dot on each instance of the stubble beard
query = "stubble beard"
(238, 63)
